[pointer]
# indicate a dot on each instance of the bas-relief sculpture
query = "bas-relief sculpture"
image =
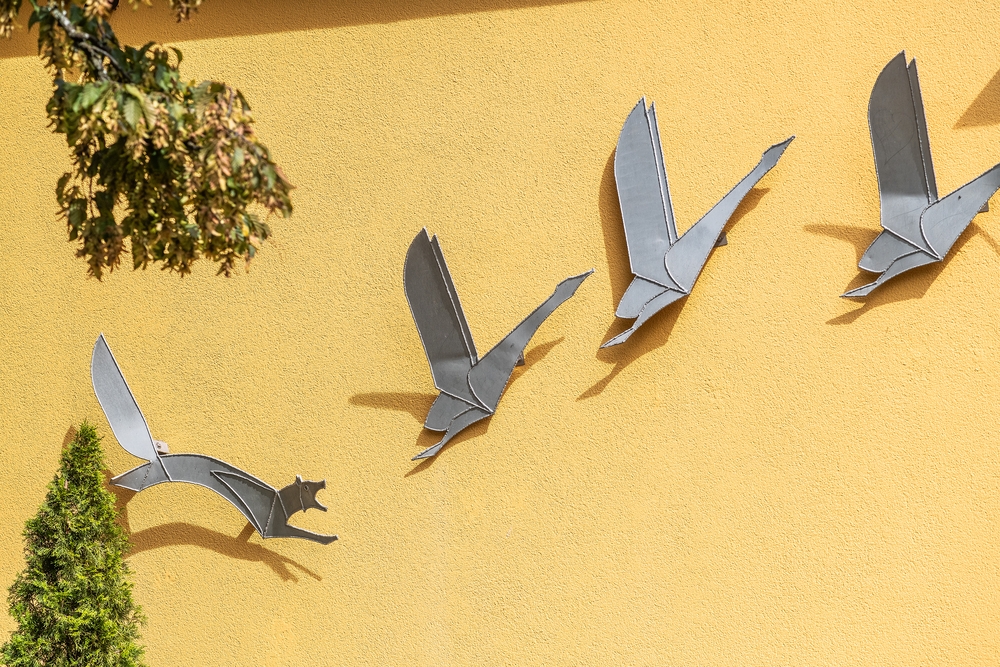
(918, 227)
(470, 386)
(664, 264)
(266, 508)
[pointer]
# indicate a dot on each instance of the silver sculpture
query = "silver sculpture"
(470, 387)
(919, 228)
(665, 265)
(266, 508)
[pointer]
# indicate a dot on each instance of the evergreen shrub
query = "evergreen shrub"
(73, 600)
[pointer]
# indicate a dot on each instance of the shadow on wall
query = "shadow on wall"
(910, 285)
(985, 109)
(654, 333)
(428, 438)
(418, 405)
(413, 403)
(179, 533)
(232, 18)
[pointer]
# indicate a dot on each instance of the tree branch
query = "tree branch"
(85, 43)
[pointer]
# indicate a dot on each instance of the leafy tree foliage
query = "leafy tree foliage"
(174, 166)
(73, 601)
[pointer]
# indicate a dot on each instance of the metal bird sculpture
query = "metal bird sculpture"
(265, 507)
(470, 386)
(665, 265)
(918, 227)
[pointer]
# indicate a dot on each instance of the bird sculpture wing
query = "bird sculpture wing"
(120, 407)
(945, 220)
(902, 153)
(438, 315)
(644, 197)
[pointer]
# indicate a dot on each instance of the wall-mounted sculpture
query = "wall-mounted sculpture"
(665, 265)
(919, 228)
(470, 387)
(266, 508)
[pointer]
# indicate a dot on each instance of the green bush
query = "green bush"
(73, 600)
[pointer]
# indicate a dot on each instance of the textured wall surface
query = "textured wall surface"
(765, 475)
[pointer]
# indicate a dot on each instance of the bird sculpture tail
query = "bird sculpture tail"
(490, 375)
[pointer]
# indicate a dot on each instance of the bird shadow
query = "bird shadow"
(859, 237)
(179, 533)
(427, 437)
(413, 403)
(985, 109)
(654, 333)
(619, 272)
(650, 336)
(916, 281)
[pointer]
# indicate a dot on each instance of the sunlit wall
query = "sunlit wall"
(766, 474)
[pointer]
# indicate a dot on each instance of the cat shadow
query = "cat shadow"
(179, 533)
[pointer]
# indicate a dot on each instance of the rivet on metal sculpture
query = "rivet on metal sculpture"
(665, 265)
(919, 228)
(265, 507)
(470, 387)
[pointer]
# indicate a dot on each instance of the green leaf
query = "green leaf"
(148, 112)
(131, 110)
(243, 101)
(91, 93)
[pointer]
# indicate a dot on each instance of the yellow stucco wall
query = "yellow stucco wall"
(765, 475)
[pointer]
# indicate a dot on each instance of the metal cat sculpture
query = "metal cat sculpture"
(266, 508)
(664, 264)
(470, 387)
(918, 227)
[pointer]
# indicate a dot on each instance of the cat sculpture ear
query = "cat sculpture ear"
(308, 491)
